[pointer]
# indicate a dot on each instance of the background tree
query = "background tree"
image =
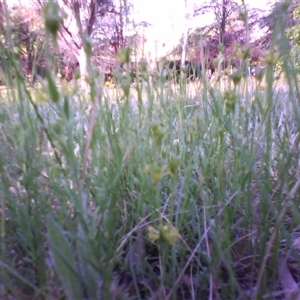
(207, 42)
(230, 36)
(28, 36)
(2, 18)
(224, 11)
(25, 36)
(109, 37)
(293, 34)
(99, 22)
(77, 27)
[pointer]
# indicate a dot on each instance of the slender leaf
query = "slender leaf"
(64, 261)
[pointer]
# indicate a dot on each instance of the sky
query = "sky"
(167, 19)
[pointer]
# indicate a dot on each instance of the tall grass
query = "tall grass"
(162, 193)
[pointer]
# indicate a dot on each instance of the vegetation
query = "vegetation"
(294, 35)
(149, 191)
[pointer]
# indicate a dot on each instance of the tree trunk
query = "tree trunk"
(185, 34)
(81, 58)
(185, 37)
(223, 22)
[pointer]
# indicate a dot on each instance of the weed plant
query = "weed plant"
(156, 191)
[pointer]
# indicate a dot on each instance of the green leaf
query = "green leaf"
(19, 277)
(88, 264)
(53, 91)
(66, 107)
(64, 261)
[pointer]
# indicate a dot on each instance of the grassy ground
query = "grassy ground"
(157, 192)
(169, 193)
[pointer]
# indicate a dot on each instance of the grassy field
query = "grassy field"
(162, 191)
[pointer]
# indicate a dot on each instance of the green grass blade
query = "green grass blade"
(64, 261)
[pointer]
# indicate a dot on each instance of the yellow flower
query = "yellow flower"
(167, 233)
(41, 96)
(153, 234)
(156, 174)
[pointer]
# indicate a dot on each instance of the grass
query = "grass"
(165, 192)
